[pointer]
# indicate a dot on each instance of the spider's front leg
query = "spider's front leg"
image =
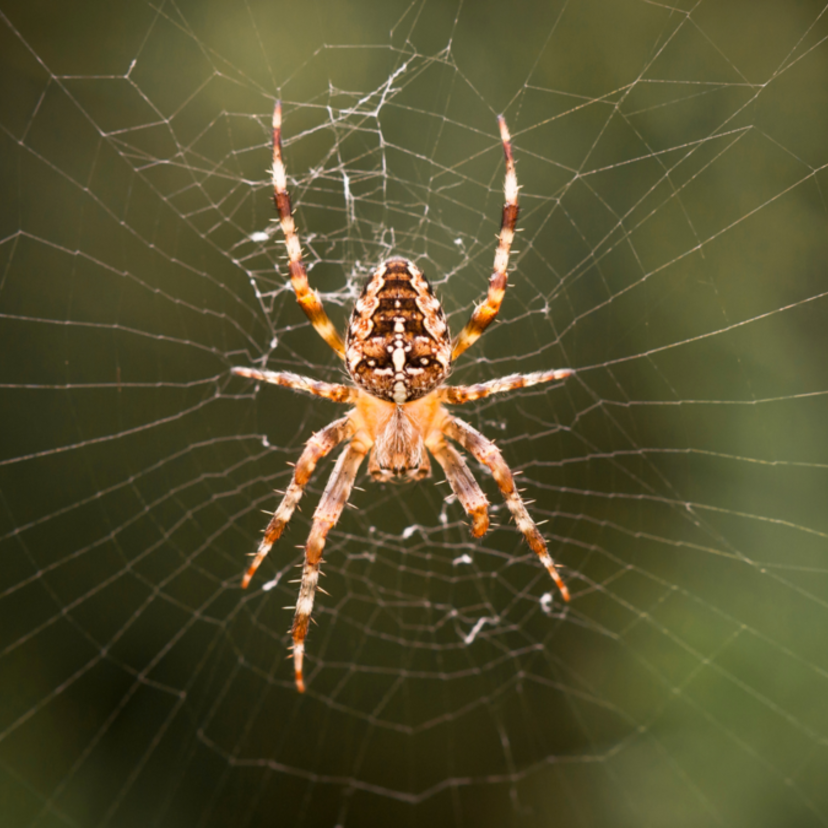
(462, 483)
(489, 455)
(316, 448)
(325, 518)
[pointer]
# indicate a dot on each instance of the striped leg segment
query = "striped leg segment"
(485, 313)
(325, 518)
(320, 444)
(459, 394)
(489, 455)
(328, 390)
(462, 484)
(308, 299)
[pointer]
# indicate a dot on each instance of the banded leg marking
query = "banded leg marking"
(484, 314)
(320, 444)
(459, 394)
(325, 518)
(489, 455)
(308, 299)
(328, 390)
(463, 485)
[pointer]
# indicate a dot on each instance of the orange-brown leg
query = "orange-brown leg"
(462, 484)
(308, 299)
(489, 455)
(325, 517)
(329, 390)
(459, 394)
(320, 444)
(485, 313)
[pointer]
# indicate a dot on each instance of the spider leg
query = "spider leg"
(459, 394)
(308, 299)
(485, 313)
(328, 390)
(325, 517)
(320, 444)
(489, 455)
(462, 483)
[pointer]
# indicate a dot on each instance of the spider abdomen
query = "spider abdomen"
(398, 346)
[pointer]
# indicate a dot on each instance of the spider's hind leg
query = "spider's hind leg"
(308, 299)
(484, 314)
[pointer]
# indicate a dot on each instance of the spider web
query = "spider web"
(672, 250)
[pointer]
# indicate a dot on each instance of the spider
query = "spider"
(398, 352)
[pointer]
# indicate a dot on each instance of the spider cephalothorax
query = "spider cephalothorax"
(398, 352)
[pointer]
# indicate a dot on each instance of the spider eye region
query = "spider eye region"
(398, 346)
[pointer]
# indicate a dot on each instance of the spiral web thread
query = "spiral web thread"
(671, 250)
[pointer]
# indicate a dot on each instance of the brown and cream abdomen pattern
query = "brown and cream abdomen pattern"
(398, 346)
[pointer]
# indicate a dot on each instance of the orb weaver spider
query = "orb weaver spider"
(398, 352)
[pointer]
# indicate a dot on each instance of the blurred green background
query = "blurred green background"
(672, 250)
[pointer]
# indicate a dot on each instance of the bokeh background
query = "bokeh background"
(672, 250)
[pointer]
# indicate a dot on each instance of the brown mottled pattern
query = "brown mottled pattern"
(398, 347)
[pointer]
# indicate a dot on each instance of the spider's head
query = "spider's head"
(399, 451)
(398, 346)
